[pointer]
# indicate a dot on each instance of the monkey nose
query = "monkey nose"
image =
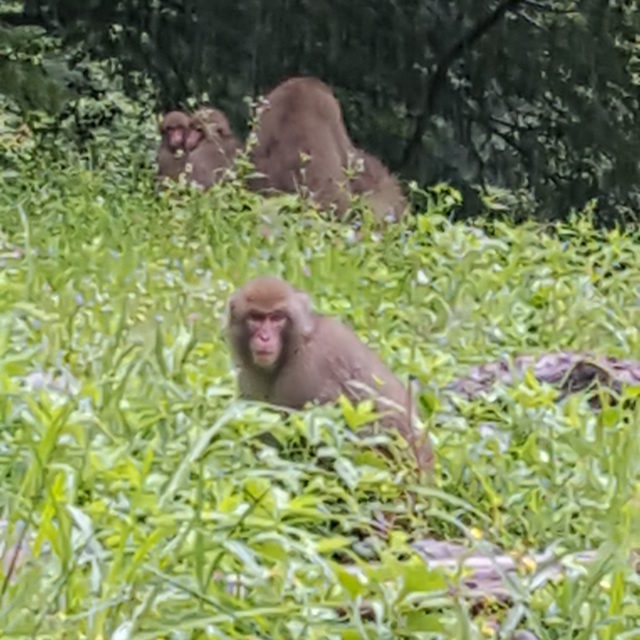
(264, 341)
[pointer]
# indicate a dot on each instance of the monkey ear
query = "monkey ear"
(303, 315)
(230, 311)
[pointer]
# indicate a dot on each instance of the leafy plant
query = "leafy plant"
(149, 502)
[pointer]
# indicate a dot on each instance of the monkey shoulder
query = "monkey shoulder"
(354, 360)
(344, 354)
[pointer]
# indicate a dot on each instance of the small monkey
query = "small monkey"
(172, 153)
(211, 144)
(288, 355)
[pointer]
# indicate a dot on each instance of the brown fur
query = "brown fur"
(303, 117)
(381, 190)
(172, 157)
(302, 141)
(321, 359)
(212, 146)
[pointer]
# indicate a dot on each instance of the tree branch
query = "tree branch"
(438, 79)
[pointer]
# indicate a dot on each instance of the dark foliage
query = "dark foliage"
(536, 97)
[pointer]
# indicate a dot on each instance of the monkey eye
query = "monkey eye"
(255, 316)
(278, 316)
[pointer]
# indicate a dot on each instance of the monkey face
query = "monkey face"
(268, 323)
(194, 136)
(266, 340)
(175, 137)
(207, 123)
(173, 128)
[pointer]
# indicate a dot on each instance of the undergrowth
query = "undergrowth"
(152, 503)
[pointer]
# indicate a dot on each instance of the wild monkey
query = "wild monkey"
(302, 141)
(211, 146)
(172, 153)
(288, 355)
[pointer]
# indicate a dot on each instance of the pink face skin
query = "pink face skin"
(175, 137)
(265, 337)
(193, 139)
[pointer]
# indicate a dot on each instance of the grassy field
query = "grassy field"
(151, 507)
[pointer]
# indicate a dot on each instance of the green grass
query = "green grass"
(153, 506)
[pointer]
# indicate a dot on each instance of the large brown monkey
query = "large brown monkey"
(212, 146)
(172, 153)
(288, 355)
(302, 141)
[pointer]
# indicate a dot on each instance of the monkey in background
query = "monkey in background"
(200, 145)
(288, 355)
(211, 146)
(172, 153)
(302, 141)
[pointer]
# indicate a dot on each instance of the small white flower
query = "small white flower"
(421, 277)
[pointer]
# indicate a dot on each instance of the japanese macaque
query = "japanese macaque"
(201, 146)
(211, 146)
(288, 355)
(172, 154)
(302, 141)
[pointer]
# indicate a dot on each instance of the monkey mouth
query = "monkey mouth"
(264, 358)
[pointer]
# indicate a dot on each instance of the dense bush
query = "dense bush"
(152, 505)
(441, 90)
